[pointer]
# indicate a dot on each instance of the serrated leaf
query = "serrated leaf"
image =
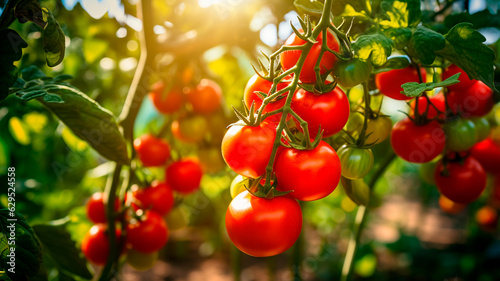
(314, 8)
(89, 121)
(376, 47)
(465, 48)
(53, 40)
(31, 73)
(414, 89)
(31, 94)
(399, 36)
(52, 98)
(400, 13)
(357, 190)
(58, 245)
(423, 44)
(399, 62)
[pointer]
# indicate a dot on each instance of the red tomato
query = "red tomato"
(310, 174)
(96, 211)
(166, 103)
(465, 82)
(185, 175)
(461, 183)
(487, 218)
(95, 244)
(307, 75)
(329, 110)
(158, 197)
(206, 97)
(487, 152)
(476, 100)
(258, 84)
(151, 150)
(438, 102)
(149, 234)
(247, 149)
(417, 144)
(389, 83)
(263, 227)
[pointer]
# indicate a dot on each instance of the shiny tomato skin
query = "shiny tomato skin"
(464, 83)
(417, 144)
(353, 72)
(96, 211)
(247, 149)
(158, 197)
(206, 97)
(166, 103)
(389, 83)
(487, 152)
(462, 183)
(476, 100)
(461, 134)
(95, 244)
(258, 84)
(329, 110)
(148, 235)
(438, 102)
(307, 75)
(152, 151)
(184, 176)
(263, 227)
(356, 162)
(310, 174)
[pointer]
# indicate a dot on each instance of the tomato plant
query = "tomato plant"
(148, 233)
(96, 209)
(206, 97)
(389, 83)
(185, 175)
(158, 197)
(487, 152)
(95, 244)
(152, 151)
(465, 81)
(356, 162)
(461, 134)
(477, 100)
(166, 102)
(258, 84)
(353, 72)
(436, 107)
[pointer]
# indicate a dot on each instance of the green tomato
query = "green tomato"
(352, 72)
(238, 185)
(141, 261)
(461, 134)
(379, 129)
(356, 162)
(483, 128)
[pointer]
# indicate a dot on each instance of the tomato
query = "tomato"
(258, 84)
(449, 206)
(356, 162)
(307, 75)
(95, 244)
(190, 129)
(487, 152)
(310, 174)
(476, 100)
(461, 134)
(96, 211)
(141, 261)
(461, 182)
(184, 176)
(263, 227)
(166, 103)
(353, 72)
(426, 172)
(247, 149)
(148, 234)
(206, 97)
(389, 83)
(417, 143)
(158, 197)
(483, 128)
(329, 110)
(487, 218)
(379, 129)
(238, 185)
(151, 150)
(211, 159)
(465, 82)
(423, 105)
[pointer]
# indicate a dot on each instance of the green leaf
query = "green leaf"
(414, 89)
(27, 250)
(400, 13)
(32, 94)
(339, 6)
(8, 76)
(314, 8)
(62, 77)
(465, 48)
(30, 10)
(89, 121)
(53, 40)
(423, 44)
(479, 20)
(376, 47)
(399, 36)
(398, 62)
(31, 73)
(58, 245)
(12, 46)
(357, 190)
(52, 98)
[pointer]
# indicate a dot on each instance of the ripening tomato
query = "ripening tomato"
(147, 234)
(483, 127)
(190, 129)
(152, 151)
(184, 176)
(389, 83)
(263, 227)
(238, 185)
(465, 82)
(307, 74)
(166, 103)
(158, 197)
(436, 102)
(356, 162)
(487, 218)
(310, 174)
(461, 182)
(487, 152)
(247, 149)
(378, 129)
(329, 110)
(417, 143)
(258, 84)
(96, 211)
(95, 244)
(141, 261)
(461, 134)
(206, 97)
(476, 100)
(353, 72)
(449, 206)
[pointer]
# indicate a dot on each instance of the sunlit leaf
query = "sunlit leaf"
(398, 62)
(73, 141)
(309, 7)
(400, 13)
(423, 44)
(19, 131)
(376, 47)
(53, 40)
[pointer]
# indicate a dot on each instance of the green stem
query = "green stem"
(236, 263)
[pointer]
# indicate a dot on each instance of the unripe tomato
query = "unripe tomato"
(356, 162)
(307, 75)
(96, 211)
(389, 83)
(426, 172)
(465, 82)
(190, 129)
(184, 176)
(149, 234)
(95, 244)
(263, 227)
(461, 134)
(152, 151)
(238, 185)
(487, 152)
(353, 72)
(141, 261)
(166, 103)
(483, 128)
(487, 218)
(206, 97)
(379, 129)
(158, 197)
(476, 100)
(449, 206)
